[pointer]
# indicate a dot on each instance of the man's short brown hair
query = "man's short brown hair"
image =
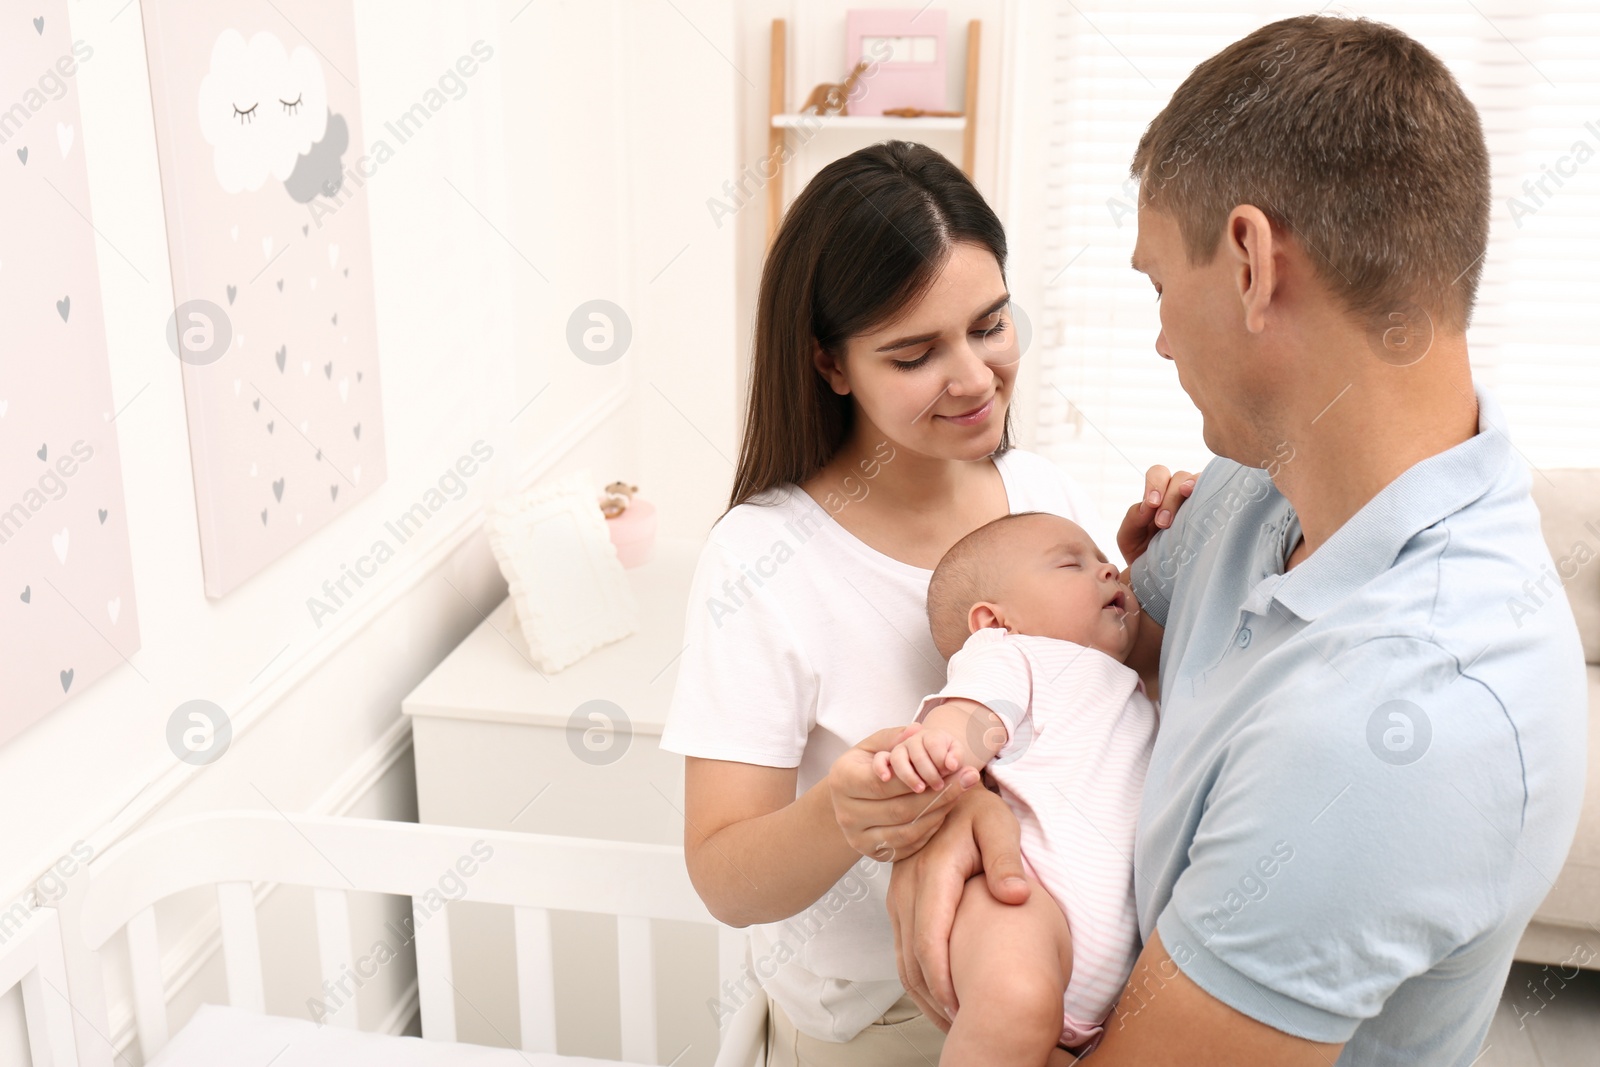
(1347, 134)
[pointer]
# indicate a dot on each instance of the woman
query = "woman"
(877, 435)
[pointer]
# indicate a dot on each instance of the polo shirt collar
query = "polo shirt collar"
(1371, 539)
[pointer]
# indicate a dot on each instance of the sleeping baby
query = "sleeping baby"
(1037, 628)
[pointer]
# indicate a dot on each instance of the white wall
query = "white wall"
(577, 153)
(816, 53)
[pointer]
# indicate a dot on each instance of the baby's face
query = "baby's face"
(1058, 584)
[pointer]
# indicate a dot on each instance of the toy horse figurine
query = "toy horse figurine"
(834, 99)
(616, 498)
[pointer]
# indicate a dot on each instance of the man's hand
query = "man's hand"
(887, 820)
(1164, 494)
(979, 836)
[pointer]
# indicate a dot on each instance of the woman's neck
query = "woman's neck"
(869, 463)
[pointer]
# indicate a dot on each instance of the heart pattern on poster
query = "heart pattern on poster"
(58, 406)
(217, 220)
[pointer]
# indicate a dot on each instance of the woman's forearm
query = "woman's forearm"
(772, 866)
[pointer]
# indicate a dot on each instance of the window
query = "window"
(1109, 407)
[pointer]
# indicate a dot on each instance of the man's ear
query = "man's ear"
(1250, 249)
(984, 615)
(830, 369)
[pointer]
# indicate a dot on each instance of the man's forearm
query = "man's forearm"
(1145, 656)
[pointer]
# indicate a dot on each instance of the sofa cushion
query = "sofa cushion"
(1569, 514)
(1575, 899)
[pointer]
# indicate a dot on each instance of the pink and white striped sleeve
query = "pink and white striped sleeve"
(991, 669)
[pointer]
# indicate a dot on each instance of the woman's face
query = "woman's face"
(938, 379)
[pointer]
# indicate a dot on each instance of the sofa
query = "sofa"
(1565, 931)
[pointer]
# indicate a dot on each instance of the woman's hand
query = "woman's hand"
(980, 835)
(1164, 493)
(887, 820)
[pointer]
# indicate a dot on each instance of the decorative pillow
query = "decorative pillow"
(568, 586)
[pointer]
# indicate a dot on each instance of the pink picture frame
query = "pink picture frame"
(913, 75)
(68, 613)
(258, 128)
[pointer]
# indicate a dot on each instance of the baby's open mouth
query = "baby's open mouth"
(1118, 602)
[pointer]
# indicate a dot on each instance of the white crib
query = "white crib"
(54, 957)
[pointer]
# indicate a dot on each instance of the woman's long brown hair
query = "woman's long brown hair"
(866, 238)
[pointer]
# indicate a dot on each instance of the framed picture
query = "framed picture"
(913, 74)
(568, 587)
(258, 132)
(67, 606)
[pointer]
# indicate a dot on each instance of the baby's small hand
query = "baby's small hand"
(917, 760)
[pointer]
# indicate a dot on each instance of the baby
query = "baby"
(1038, 628)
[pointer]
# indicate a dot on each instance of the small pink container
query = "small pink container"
(633, 533)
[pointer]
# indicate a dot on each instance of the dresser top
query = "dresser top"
(489, 678)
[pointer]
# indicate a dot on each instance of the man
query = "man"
(1367, 774)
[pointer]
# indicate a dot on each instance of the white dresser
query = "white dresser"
(500, 745)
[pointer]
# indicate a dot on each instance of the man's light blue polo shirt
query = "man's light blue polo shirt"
(1368, 770)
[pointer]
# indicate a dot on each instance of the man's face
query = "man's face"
(1202, 332)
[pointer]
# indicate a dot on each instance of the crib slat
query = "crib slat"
(732, 949)
(241, 946)
(435, 988)
(47, 1017)
(149, 995)
(636, 979)
(338, 963)
(536, 979)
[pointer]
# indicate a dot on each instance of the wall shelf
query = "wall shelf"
(869, 122)
(780, 120)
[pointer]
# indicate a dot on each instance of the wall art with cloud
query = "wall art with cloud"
(258, 121)
(67, 613)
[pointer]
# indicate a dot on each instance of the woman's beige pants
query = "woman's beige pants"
(902, 1037)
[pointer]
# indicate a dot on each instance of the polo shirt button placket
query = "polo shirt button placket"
(1244, 637)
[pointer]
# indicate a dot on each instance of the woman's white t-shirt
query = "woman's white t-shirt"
(800, 641)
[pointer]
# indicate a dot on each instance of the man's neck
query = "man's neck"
(1388, 420)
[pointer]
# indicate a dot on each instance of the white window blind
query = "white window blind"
(1109, 406)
